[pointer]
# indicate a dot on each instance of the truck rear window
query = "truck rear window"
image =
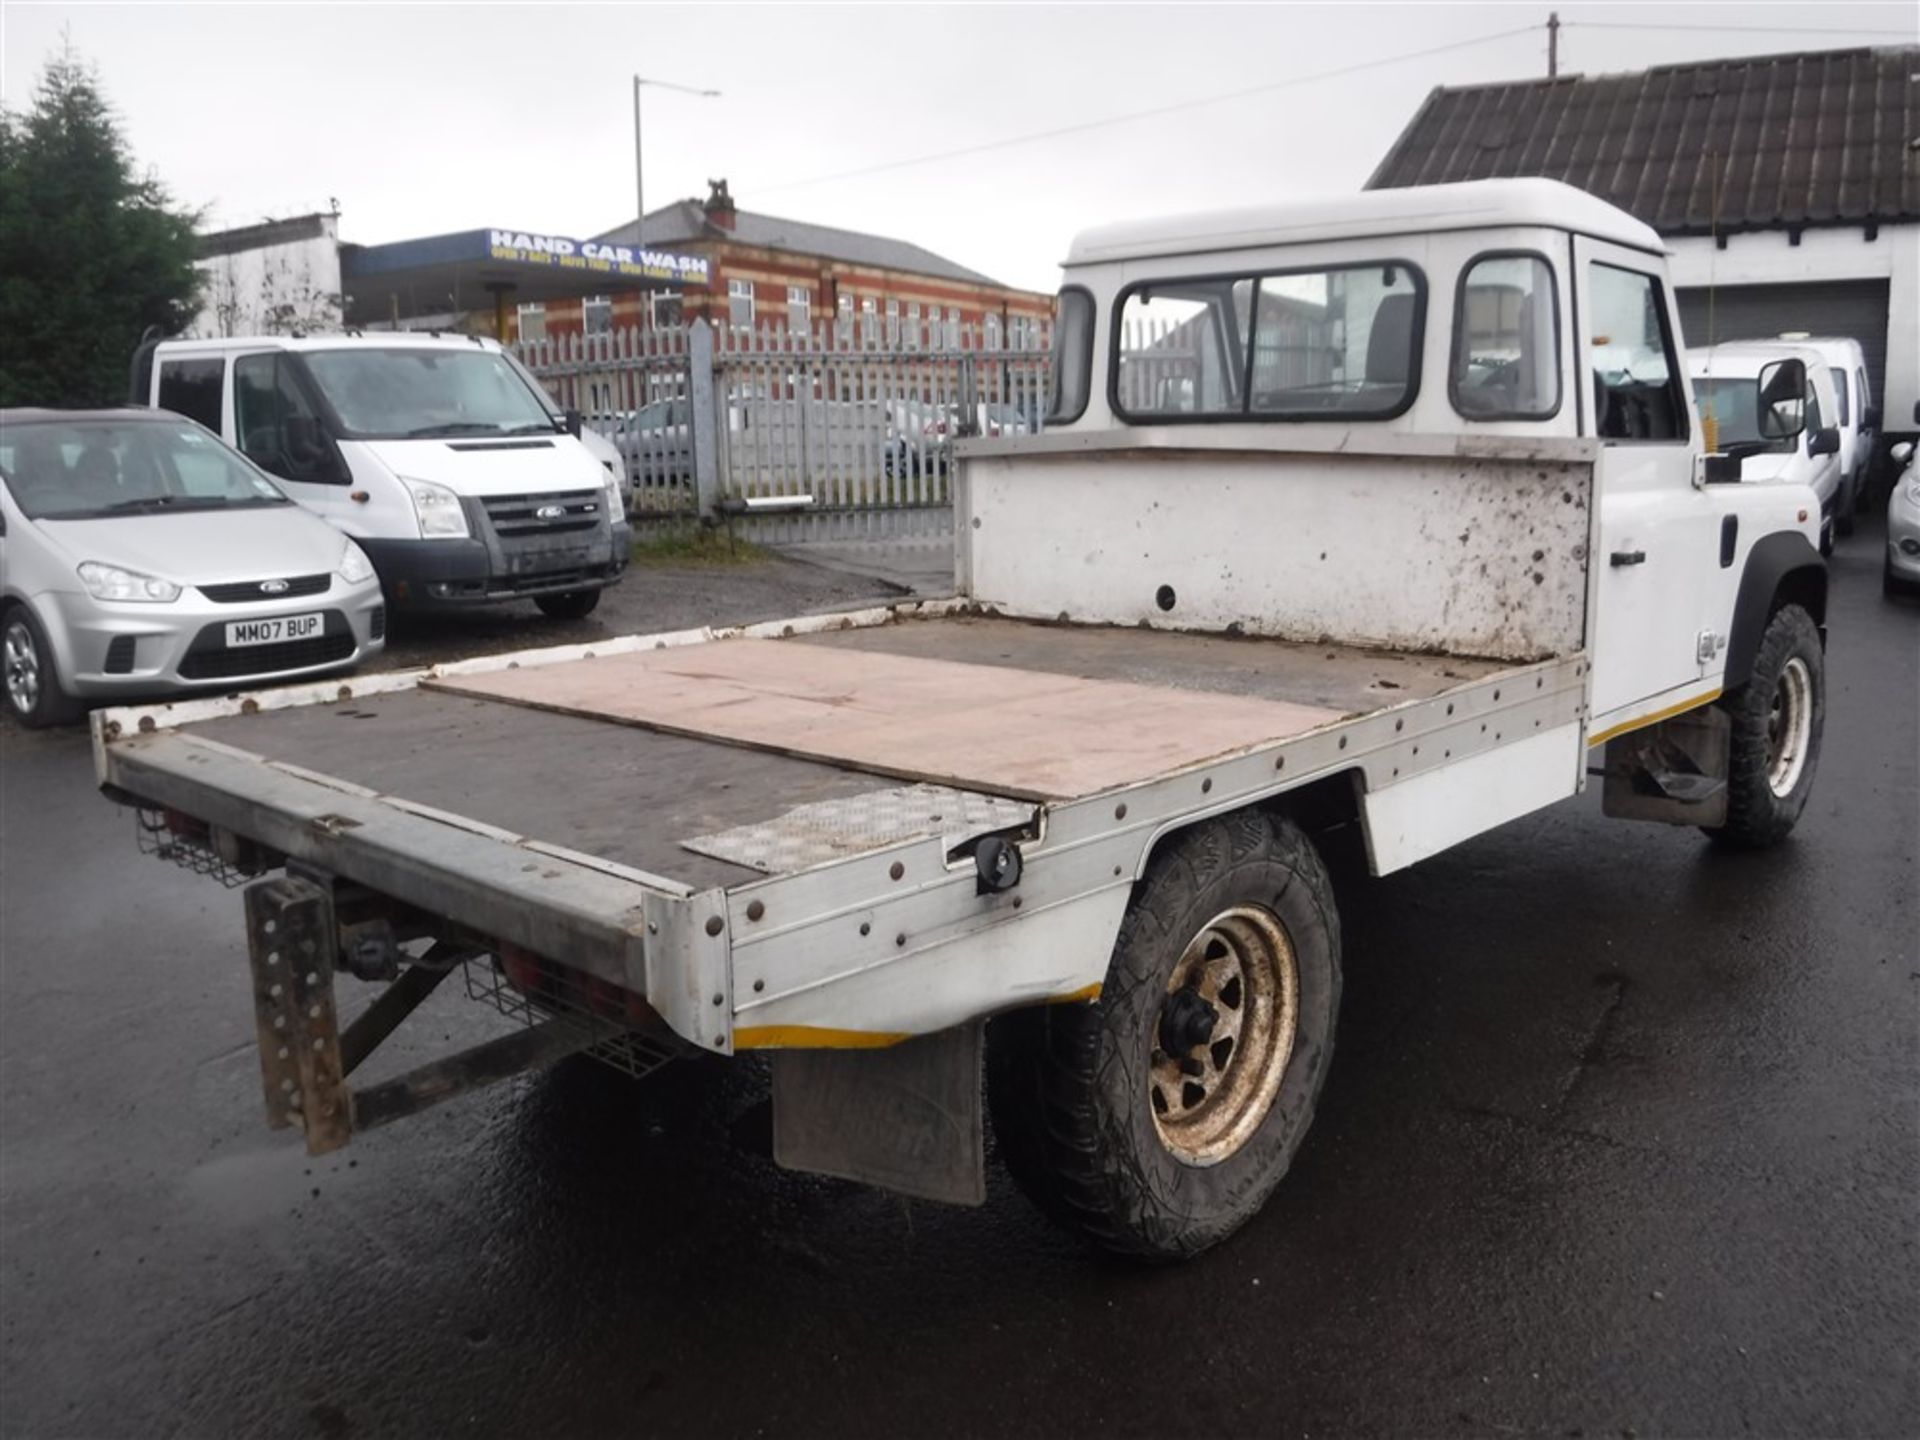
(1300, 345)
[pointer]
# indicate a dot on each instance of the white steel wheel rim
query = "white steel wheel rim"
(23, 668)
(1212, 1078)
(1789, 727)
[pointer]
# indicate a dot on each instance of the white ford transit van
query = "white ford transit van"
(434, 452)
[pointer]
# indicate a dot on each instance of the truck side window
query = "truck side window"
(1506, 340)
(1841, 408)
(1636, 379)
(276, 425)
(1072, 367)
(1182, 347)
(192, 388)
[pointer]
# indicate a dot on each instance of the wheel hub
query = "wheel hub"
(1186, 1022)
(1224, 1035)
(23, 669)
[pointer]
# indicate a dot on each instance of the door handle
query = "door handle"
(1627, 557)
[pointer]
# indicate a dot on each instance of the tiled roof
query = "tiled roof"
(1764, 142)
(686, 220)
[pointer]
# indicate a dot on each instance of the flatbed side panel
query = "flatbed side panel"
(1464, 555)
(902, 941)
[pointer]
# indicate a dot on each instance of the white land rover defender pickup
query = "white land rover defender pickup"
(1380, 521)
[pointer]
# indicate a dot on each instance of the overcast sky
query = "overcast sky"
(423, 119)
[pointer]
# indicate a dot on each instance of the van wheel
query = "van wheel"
(570, 605)
(1778, 717)
(1156, 1120)
(34, 696)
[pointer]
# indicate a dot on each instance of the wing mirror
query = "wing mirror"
(1824, 442)
(574, 421)
(1782, 397)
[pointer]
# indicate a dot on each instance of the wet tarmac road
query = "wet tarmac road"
(1621, 1138)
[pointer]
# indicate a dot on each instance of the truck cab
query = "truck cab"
(1462, 319)
(436, 453)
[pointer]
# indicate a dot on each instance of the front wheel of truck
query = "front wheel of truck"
(1778, 717)
(1155, 1120)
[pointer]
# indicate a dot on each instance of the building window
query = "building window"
(740, 304)
(953, 327)
(914, 332)
(799, 309)
(668, 311)
(993, 332)
(596, 314)
(533, 322)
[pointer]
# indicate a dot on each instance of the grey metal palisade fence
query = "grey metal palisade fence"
(843, 431)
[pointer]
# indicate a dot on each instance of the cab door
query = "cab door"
(277, 426)
(1658, 562)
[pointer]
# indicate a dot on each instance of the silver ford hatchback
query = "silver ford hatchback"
(140, 555)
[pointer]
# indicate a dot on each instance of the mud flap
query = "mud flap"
(1674, 772)
(907, 1118)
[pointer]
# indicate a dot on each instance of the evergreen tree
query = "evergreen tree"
(91, 254)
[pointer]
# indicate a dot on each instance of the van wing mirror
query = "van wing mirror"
(1824, 442)
(574, 421)
(1782, 397)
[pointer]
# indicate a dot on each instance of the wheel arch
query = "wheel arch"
(1327, 807)
(1783, 568)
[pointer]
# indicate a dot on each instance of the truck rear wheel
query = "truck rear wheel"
(1778, 717)
(1157, 1119)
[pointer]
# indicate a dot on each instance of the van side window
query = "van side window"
(1814, 422)
(1842, 409)
(1636, 378)
(1506, 340)
(277, 426)
(192, 388)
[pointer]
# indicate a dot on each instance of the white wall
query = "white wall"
(274, 289)
(1765, 258)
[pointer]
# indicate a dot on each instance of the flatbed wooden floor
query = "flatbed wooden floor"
(633, 792)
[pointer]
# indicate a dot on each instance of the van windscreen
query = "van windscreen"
(414, 393)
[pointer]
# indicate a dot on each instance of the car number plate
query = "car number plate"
(273, 629)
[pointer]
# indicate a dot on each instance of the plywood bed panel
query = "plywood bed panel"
(991, 728)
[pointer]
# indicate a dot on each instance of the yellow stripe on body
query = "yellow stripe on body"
(1654, 719)
(825, 1037)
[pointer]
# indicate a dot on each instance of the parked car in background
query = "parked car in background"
(994, 420)
(1855, 416)
(437, 453)
(656, 444)
(140, 555)
(919, 433)
(1725, 390)
(1901, 573)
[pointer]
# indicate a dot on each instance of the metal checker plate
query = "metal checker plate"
(832, 829)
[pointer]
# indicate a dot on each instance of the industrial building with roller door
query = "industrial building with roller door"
(1786, 186)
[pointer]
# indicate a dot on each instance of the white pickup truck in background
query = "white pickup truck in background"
(1379, 521)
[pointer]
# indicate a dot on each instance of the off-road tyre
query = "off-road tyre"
(1068, 1085)
(24, 642)
(568, 605)
(1766, 729)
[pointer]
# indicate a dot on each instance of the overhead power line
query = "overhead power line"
(1174, 109)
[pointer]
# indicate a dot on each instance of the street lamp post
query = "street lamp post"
(639, 187)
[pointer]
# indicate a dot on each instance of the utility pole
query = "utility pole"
(1553, 59)
(639, 186)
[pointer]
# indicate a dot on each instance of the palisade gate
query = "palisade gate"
(844, 431)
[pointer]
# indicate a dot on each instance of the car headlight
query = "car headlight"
(616, 502)
(438, 510)
(110, 582)
(354, 567)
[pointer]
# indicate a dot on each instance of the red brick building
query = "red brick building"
(785, 274)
